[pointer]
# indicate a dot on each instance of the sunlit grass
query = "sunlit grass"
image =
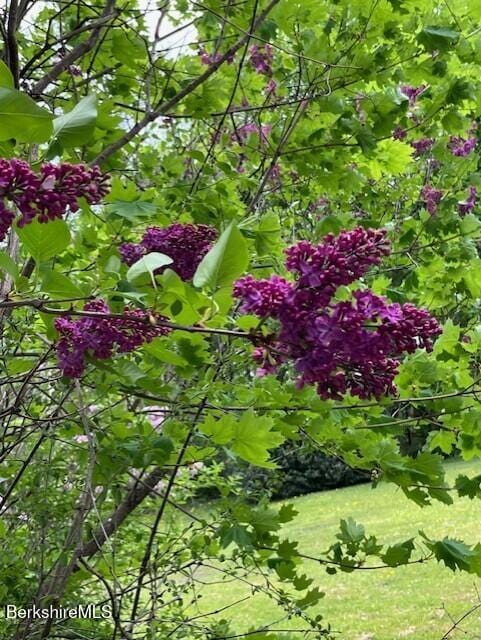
(408, 602)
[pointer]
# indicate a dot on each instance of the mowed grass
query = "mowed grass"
(417, 601)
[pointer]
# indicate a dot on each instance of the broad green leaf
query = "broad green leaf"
(60, 286)
(21, 118)
(449, 338)
(438, 37)
(220, 431)
(253, 437)
(45, 240)
(6, 78)
(311, 598)
(391, 157)
(454, 553)
(470, 487)
(227, 260)
(398, 554)
(351, 531)
(132, 209)
(8, 265)
(148, 265)
(74, 128)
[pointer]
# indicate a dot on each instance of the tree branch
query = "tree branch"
(80, 50)
(169, 104)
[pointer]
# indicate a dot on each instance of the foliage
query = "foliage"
(327, 129)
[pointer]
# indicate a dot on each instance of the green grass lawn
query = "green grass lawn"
(408, 602)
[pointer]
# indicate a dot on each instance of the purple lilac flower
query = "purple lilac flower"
(271, 87)
(47, 194)
(262, 297)
(186, 244)
(338, 347)
(102, 336)
(461, 146)
(431, 198)
(413, 93)
(423, 145)
(242, 133)
(131, 253)
(261, 57)
(399, 133)
(466, 206)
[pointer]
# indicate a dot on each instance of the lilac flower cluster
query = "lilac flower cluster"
(413, 93)
(399, 133)
(271, 87)
(462, 146)
(431, 198)
(242, 133)
(466, 206)
(423, 145)
(186, 244)
(261, 57)
(344, 346)
(48, 193)
(102, 336)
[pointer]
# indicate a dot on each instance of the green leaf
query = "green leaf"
(227, 260)
(253, 437)
(8, 265)
(132, 209)
(454, 553)
(44, 241)
(437, 37)
(398, 554)
(351, 531)
(148, 265)
(6, 78)
(311, 598)
(60, 286)
(21, 118)
(449, 339)
(250, 438)
(74, 128)
(470, 487)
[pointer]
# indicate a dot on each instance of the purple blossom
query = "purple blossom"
(461, 146)
(47, 194)
(423, 145)
(262, 297)
(185, 244)
(102, 336)
(466, 206)
(413, 93)
(271, 87)
(399, 133)
(242, 133)
(274, 173)
(131, 253)
(431, 198)
(261, 57)
(338, 347)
